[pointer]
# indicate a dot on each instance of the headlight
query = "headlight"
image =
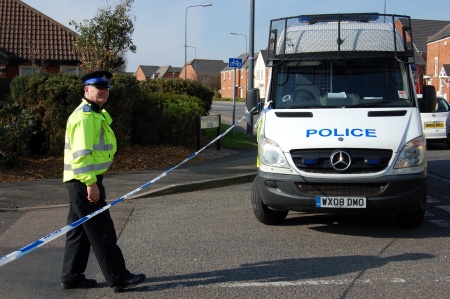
(270, 154)
(412, 154)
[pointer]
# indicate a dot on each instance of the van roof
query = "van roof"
(305, 37)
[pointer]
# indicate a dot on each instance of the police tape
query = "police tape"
(38, 243)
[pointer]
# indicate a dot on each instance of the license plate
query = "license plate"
(434, 125)
(340, 202)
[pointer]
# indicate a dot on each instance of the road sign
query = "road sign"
(235, 62)
(212, 121)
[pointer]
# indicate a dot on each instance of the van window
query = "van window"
(353, 83)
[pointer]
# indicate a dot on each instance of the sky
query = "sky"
(160, 25)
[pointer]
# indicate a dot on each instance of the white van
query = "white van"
(340, 128)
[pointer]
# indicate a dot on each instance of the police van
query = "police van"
(340, 128)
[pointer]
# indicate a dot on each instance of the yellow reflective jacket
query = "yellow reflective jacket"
(90, 144)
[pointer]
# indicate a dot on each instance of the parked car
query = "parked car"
(434, 122)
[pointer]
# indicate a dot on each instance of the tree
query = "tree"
(104, 39)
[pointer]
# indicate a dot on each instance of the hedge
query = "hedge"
(152, 112)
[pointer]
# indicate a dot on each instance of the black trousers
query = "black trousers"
(97, 232)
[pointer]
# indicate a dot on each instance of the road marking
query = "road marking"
(440, 223)
(432, 200)
(321, 282)
(438, 177)
(445, 208)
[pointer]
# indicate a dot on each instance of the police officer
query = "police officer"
(90, 145)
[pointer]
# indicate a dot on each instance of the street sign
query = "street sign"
(235, 62)
(212, 121)
(208, 122)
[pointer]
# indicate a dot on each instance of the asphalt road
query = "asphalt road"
(225, 109)
(208, 245)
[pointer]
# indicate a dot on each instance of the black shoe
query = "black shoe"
(132, 280)
(83, 283)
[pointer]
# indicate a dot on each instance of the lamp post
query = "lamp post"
(251, 62)
(195, 60)
(234, 33)
(185, 33)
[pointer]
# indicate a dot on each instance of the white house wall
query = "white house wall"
(260, 75)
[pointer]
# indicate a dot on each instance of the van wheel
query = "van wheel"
(415, 217)
(262, 212)
(448, 140)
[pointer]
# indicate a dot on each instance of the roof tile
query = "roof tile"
(27, 34)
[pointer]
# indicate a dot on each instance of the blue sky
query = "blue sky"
(160, 24)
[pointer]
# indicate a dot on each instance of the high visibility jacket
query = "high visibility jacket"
(90, 144)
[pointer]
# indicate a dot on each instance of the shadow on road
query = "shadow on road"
(280, 271)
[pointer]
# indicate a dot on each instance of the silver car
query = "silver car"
(434, 123)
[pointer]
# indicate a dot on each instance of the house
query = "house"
(168, 72)
(31, 41)
(261, 78)
(227, 79)
(203, 70)
(145, 72)
(438, 62)
(421, 30)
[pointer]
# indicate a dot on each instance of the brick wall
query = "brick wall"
(439, 50)
(227, 80)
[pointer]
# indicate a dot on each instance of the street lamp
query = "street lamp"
(234, 33)
(185, 33)
(195, 59)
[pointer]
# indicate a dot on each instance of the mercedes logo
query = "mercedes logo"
(340, 160)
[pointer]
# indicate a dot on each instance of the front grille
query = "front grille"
(318, 160)
(341, 189)
(386, 113)
(294, 114)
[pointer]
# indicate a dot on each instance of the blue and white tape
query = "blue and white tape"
(38, 243)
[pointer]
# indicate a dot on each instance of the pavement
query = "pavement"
(226, 167)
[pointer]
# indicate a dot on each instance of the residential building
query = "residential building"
(260, 77)
(438, 62)
(203, 70)
(227, 80)
(31, 41)
(261, 73)
(145, 72)
(421, 30)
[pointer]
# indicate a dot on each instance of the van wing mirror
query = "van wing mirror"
(428, 101)
(252, 100)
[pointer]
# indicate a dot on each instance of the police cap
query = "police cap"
(97, 78)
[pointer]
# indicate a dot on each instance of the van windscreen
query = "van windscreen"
(353, 83)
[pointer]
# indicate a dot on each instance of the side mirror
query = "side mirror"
(428, 101)
(252, 100)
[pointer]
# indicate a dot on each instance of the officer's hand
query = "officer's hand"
(93, 193)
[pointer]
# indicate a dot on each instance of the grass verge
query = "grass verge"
(234, 139)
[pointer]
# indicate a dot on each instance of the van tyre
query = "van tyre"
(262, 212)
(414, 218)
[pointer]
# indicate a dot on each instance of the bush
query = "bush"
(166, 119)
(180, 86)
(148, 113)
(61, 94)
(16, 127)
(51, 99)
(124, 93)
